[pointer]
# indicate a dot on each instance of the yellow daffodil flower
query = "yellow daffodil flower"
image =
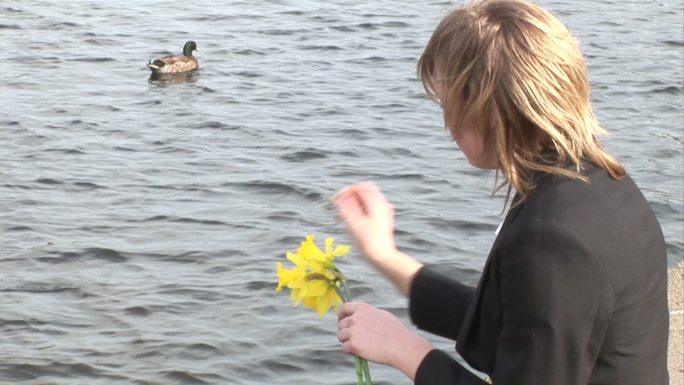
(316, 282)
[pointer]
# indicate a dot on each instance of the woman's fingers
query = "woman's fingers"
(343, 335)
(350, 199)
(348, 348)
(367, 196)
(350, 207)
(346, 310)
(347, 326)
(361, 202)
(344, 325)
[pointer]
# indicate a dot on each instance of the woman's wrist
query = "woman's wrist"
(400, 268)
(411, 358)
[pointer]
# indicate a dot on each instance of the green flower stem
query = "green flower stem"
(359, 371)
(366, 372)
(363, 376)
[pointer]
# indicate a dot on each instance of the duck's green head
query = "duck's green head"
(189, 47)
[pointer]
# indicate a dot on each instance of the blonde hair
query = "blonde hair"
(514, 73)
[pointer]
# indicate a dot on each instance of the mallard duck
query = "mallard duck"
(176, 63)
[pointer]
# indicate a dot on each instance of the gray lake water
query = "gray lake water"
(141, 221)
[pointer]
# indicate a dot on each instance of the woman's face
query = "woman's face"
(472, 145)
(470, 141)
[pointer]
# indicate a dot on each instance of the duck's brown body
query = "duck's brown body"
(176, 63)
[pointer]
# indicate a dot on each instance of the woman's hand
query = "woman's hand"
(369, 217)
(379, 336)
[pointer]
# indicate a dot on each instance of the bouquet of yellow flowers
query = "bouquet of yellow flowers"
(316, 282)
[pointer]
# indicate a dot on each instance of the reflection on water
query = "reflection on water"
(164, 80)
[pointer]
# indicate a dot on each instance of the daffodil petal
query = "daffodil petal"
(281, 281)
(298, 284)
(309, 251)
(340, 250)
(287, 276)
(318, 267)
(297, 260)
(317, 287)
(325, 302)
(294, 295)
(328, 245)
(310, 302)
(322, 305)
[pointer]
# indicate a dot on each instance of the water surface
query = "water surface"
(140, 221)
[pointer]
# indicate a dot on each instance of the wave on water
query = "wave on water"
(93, 253)
(93, 59)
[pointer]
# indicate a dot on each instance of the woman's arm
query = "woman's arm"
(438, 303)
(370, 219)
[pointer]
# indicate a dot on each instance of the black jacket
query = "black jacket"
(574, 292)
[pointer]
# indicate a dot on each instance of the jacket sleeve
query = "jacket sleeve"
(556, 303)
(438, 368)
(437, 303)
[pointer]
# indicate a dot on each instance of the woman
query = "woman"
(574, 288)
